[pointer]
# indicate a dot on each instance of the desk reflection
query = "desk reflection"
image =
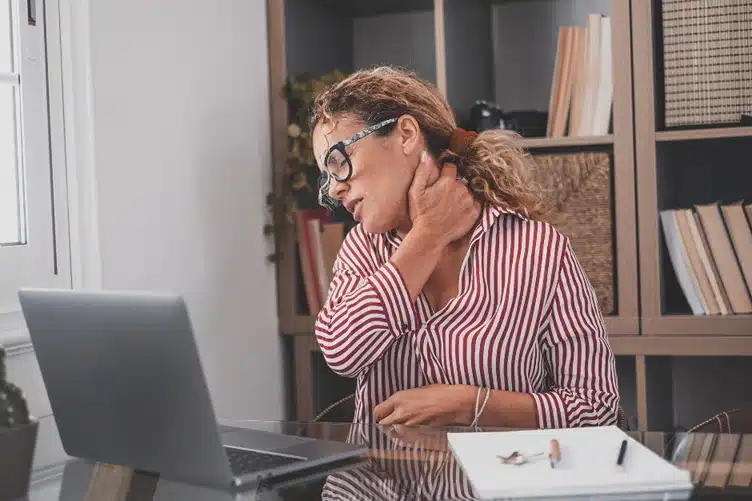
(403, 463)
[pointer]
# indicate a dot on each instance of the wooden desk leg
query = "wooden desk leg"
(109, 483)
(118, 483)
(304, 377)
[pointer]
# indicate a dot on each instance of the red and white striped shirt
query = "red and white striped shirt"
(397, 471)
(526, 319)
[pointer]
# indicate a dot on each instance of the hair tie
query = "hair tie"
(461, 139)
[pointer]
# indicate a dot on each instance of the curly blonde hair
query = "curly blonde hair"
(494, 163)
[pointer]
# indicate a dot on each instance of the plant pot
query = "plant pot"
(17, 447)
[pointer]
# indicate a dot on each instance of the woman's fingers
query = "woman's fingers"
(392, 418)
(383, 410)
(449, 171)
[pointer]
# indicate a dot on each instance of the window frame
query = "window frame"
(47, 176)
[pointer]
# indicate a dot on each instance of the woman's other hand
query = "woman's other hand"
(442, 205)
(438, 405)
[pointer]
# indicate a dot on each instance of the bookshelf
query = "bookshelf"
(473, 50)
(678, 167)
(474, 46)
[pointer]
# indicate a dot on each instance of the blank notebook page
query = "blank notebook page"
(587, 466)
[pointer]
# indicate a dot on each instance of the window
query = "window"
(28, 254)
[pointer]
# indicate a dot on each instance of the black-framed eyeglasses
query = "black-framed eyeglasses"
(337, 162)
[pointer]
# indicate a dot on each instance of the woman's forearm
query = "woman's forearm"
(365, 314)
(505, 409)
(417, 257)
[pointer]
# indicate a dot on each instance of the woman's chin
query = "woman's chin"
(372, 225)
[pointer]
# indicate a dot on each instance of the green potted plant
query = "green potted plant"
(300, 190)
(18, 436)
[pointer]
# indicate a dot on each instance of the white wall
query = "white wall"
(182, 158)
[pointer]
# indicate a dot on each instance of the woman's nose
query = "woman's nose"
(337, 189)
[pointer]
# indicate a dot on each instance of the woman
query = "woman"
(453, 301)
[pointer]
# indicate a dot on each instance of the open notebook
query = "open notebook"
(587, 466)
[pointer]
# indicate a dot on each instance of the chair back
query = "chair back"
(731, 421)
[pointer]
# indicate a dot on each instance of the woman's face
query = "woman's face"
(383, 167)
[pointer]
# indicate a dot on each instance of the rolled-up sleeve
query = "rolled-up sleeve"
(368, 307)
(578, 356)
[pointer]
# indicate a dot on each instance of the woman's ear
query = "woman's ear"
(409, 135)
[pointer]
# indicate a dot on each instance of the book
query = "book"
(724, 256)
(711, 270)
(741, 237)
(696, 267)
(680, 261)
(588, 465)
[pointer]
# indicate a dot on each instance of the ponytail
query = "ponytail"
(497, 170)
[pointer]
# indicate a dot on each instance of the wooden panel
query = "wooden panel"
(686, 135)
(297, 325)
(709, 346)
(568, 141)
(278, 114)
(622, 325)
(644, 127)
(706, 326)
(641, 393)
(303, 378)
(440, 42)
(624, 167)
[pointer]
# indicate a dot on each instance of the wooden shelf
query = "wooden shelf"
(694, 134)
(298, 325)
(564, 142)
(705, 326)
(622, 326)
(682, 346)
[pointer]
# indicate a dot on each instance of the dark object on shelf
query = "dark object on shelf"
(485, 115)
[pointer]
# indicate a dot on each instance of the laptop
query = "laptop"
(126, 387)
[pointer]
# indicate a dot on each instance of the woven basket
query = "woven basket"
(578, 186)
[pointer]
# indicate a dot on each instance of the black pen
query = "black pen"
(622, 451)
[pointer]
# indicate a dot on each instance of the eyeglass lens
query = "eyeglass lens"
(337, 165)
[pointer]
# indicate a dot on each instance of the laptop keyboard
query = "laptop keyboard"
(243, 461)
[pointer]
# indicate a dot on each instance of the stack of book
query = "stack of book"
(319, 241)
(710, 248)
(582, 84)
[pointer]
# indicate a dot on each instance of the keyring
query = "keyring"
(516, 458)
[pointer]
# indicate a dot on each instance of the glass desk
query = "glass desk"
(402, 464)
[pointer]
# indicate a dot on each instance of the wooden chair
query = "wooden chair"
(731, 421)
